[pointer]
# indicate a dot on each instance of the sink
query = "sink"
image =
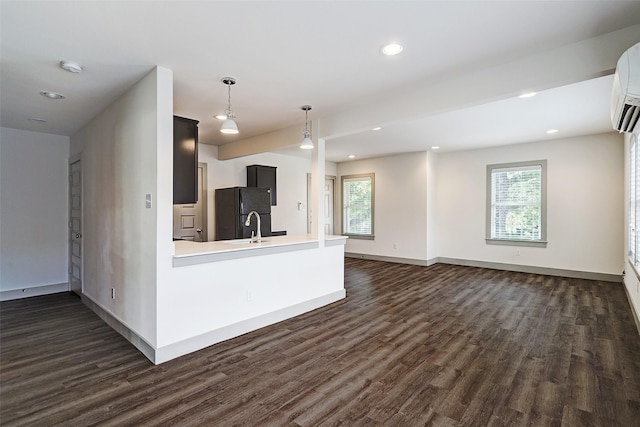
(241, 241)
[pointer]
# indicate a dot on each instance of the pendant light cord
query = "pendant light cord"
(306, 123)
(229, 112)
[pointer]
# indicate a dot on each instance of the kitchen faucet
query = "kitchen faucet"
(247, 223)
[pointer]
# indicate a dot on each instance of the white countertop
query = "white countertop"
(189, 253)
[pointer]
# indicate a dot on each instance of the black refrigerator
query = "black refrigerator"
(233, 206)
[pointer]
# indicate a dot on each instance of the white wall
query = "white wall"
(120, 166)
(584, 204)
(400, 216)
(34, 198)
(631, 281)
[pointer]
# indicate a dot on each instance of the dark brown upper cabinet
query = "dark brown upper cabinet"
(264, 177)
(185, 161)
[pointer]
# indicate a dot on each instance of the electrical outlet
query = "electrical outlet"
(113, 293)
(395, 246)
(249, 295)
(517, 252)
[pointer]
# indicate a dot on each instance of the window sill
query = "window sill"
(359, 236)
(510, 242)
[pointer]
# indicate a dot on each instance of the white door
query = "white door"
(189, 221)
(75, 228)
(328, 205)
(327, 208)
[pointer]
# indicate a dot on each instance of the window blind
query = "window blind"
(634, 200)
(516, 203)
(357, 205)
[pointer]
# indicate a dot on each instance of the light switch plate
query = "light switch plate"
(148, 200)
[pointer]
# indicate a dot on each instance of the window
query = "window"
(634, 201)
(357, 205)
(516, 203)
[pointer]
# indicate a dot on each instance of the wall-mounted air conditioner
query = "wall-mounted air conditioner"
(625, 97)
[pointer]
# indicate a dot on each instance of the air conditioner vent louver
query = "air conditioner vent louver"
(625, 94)
(628, 118)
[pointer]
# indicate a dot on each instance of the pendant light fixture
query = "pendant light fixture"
(307, 143)
(229, 126)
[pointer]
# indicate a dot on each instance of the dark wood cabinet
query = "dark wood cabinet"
(185, 161)
(264, 177)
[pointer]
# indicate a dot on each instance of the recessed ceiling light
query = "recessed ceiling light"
(37, 120)
(435, 147)
(392, 49)
(351, 156)
(550, 131)
(72, 67)
(527, 95)
(377, 128)
(51, 95)
(221, 116)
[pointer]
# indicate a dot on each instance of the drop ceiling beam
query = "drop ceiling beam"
(564, 65)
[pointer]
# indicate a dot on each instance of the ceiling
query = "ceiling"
(285, 54)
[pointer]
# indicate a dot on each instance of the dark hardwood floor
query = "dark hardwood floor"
(440, 345)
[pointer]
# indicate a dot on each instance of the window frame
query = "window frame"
(370, 176)
(542, 241)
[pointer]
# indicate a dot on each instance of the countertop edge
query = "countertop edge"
(245, 251)
(239, 254)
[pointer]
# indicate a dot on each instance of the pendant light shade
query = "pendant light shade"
(229, 126)
(307, 143)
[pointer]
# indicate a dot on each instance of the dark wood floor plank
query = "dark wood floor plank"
(439, 345)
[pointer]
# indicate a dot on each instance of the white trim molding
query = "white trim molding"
(589, 275)
(34, 291)
(172, 351)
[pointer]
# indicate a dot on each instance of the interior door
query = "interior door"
(328, 205)
(75, 228)
(190, 220)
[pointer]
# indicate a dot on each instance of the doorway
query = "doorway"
(328, 197)
(75, 227)
(328, 204)
(190, 220)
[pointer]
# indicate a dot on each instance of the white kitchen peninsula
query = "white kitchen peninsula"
(223, 289)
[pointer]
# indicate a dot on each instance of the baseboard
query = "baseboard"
(34, 291)
(138, 342)
(397, 260)
(604, 277)
(189, 345)
(494, 265)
